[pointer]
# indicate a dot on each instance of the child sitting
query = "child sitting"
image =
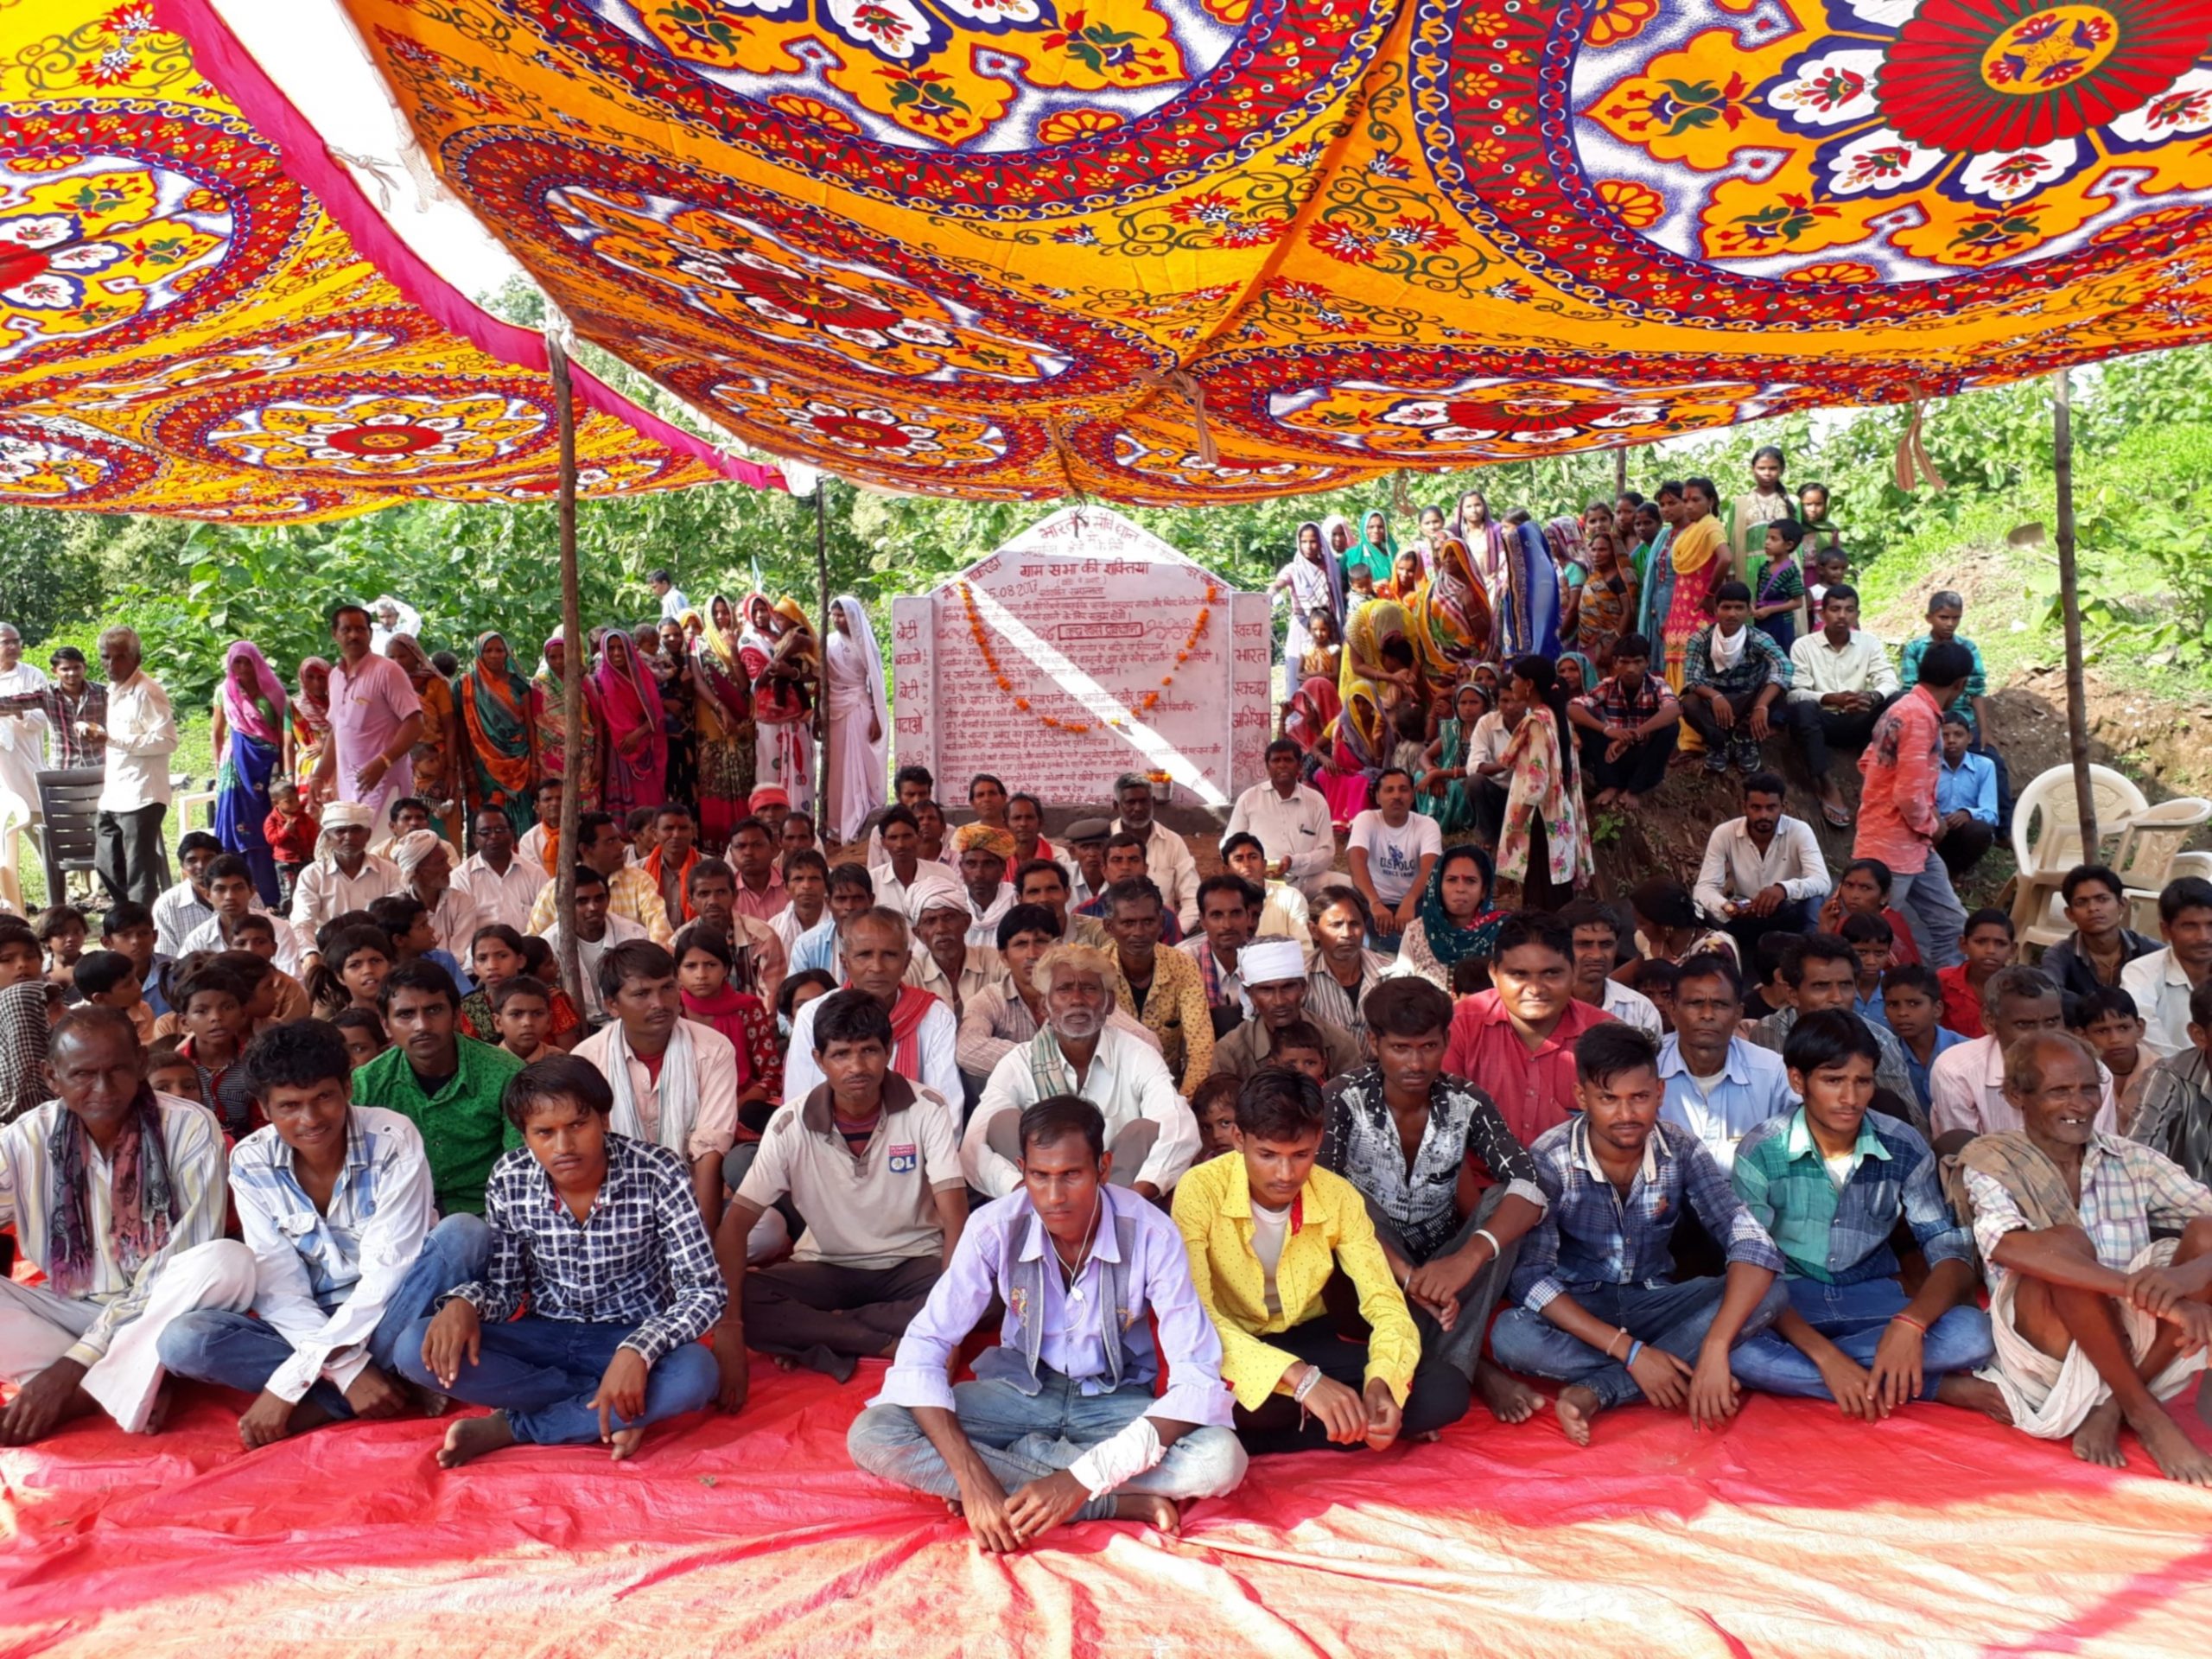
(109, 979)
(168, 1072)
(1988, 943)
(363, 1030)
(522, 1014)
(62, 931)
(2109, 1022)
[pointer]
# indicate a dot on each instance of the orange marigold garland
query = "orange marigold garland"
(1144, 704)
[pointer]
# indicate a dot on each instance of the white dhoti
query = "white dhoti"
(2051, 1398)
(38, 1327)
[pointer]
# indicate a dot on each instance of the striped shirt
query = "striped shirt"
(2126, 1190)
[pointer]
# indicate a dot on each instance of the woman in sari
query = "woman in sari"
(777, 652)
(498, 757)
(1358, 742)
(1569, 554)
(1489, 546)
(249, 713)
(1577, 674)
(1377, 550)
(1444, 791)
(1545, 846)
(310, 725)
(1656, 590)
(550, 702)
(671, 668)
(1455, 920)
(437, 773)
(1380, 654)
(635, 741)
(725, 723)
(1337, 537)
(1453, 624)
(860, 718)
(1408, 578)
(1608, 598)
(1315, 584)
(1701, 562)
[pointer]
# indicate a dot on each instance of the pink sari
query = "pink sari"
(629, 704)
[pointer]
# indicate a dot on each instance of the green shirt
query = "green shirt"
(463, 1129)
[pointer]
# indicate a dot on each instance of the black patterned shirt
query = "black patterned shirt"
(1362, 1145)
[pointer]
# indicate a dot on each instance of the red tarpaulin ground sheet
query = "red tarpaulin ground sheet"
(1791, 1534)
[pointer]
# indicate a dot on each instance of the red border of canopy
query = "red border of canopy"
(226, 62)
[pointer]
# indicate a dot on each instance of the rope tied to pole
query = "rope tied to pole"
(1184, 384)
(1914, 468)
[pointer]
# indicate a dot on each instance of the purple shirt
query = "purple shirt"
(368, 705)
(1073, 1345)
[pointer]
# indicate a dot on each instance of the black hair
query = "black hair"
(2083, 1012)
(557, 1077)
(895, 813)
(1131, 890)
(1766, 782)
(363, 1020)
(851, 878)
(99, 972)
(639, 959)
(1304, 1033)
(1663, 900)
(638, 818)
(1875, 868)
(341, 609)
(912, 775)
(396, 913)
(406, 803)
(544, 784)
(1826, 1038)
(590, 825)
(1988, 916)
(1126, 839)
(1704, 486)
(249, 968)
(297, 1054)
(1471, 976)
(1407, 1005)
(850, 1017)
(1633, 645)
(2185, 893)
(1037, 866)
(1277, 1103)
(1052, 1120)
(1913, 976)
(209, 979)
(499, 931)
(706, 937)
(757, 825)
(588, 877)
(197, 841)
(124, 915)
(521, 985)
(1027, 918)
(1958, 718)
(1280, 746)
(256, 921)
(1766, 449)
(1815, 947)
(1229, 882)
(420, 975)
(807, 858)
(1343, 892)
(1588, 912)
(1540, 674)
(65, 654)
(1024, 795)
(1790, 529)
(57, 919)
(1612, 1049)
(1732, 592)
(793, 983)
(1867, 930)
(1845, 590)
(706, 869)
(985, 777)
(2081, 874)
(1712, 964)
(1220, 1085)
(1946, 663)
(1769, 953)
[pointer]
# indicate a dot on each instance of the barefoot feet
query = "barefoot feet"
(473, 1437)
(1578, 1409)
(1510, 1399)
(1970, 1392)
(2097, 1439)
(2178, 1457)
(1159, 1513)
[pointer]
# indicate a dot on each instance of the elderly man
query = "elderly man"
(376, 720)
(1966, 1083)
(1290, 818)
(630, 891)
(984, 854)
(116, 1194)
(1163, 989)
(1009, 1013)
(1150, 1132)
(1085, 840)
(2096, 1318)
(344, 877)
(1167, 858)
(503, 885)
(140, 736)
(875, 949)
(426, 862)
(1275, 982)
(947, 963)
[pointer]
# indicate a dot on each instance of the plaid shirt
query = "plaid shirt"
(1591, 1236)
(2126, 1189)
(67, 752)
(1841, 1236)
(1616, 708)
(2176, 1108)
(1362, 1144)
(642, 1257)
(1762, 663)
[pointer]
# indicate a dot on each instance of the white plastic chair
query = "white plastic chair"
(2148, 860)
(2047, 842)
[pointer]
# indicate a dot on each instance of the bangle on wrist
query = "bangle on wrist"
(1306, 1384)
(1497, 1249)
(1618, 1333)
(1634, 1348)
(1907, 1318)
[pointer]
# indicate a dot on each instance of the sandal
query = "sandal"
(1839, 817)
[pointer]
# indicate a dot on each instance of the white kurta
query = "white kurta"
(23, 748)
(857, 762)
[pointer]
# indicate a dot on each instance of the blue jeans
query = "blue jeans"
(1021, 1438)
(234, 1350)
(1932, 909)
(543, 1372)
(1854, 1318)
(1673, 1317)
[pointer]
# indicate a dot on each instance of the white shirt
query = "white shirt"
(621, 929)
(1285, 916)
(1818, 668)
(1127, 1082)
(938, 1041)
(503, 899)
(2161, 992)
(1966, 1090)
(455, 921)
(208, 935)
(1488, 742)
(786, 926)
(324, 890)
(891, 891)
(1168, 861)
(1297, 829)
(141, 737)
(1393, 856)
(531, 850)
(1632, 1008)
(177, 912)
(1734, 867)
(673, 604)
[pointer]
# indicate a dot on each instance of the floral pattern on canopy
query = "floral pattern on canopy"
(1172, 251)
(186, 329)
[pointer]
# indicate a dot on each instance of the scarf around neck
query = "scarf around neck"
(679, 1089)
(143, 1204)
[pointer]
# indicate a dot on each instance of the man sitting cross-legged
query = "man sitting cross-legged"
(343, 1243)
(873, 1163)
(1149, 1129)
(1597, 1308)
(1064, 1421)
(1830, 1182)
(117, 1197)
(2095, 1322)
(1268, 1233)
(1401, 1130)
(601, 1237)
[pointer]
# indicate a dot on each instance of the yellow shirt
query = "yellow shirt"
(630, 893)
(1330, 1230)
(1176, 1011)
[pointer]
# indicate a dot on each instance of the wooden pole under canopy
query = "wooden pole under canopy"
(2069, 606)
(572, 676)
(821, 655)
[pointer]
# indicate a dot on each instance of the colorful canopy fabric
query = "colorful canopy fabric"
(185, 329)
(1007, 247)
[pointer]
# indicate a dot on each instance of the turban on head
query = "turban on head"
(927, 896)
(348, 815)
(984, 838)
(413, 848)
(1264, 962)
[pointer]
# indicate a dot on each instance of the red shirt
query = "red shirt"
(1533, 1090)
(291, 841)
(1961, 1002)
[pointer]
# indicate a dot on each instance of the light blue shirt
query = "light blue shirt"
(1972, 785)
(816, 948)
(1754, 1088)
